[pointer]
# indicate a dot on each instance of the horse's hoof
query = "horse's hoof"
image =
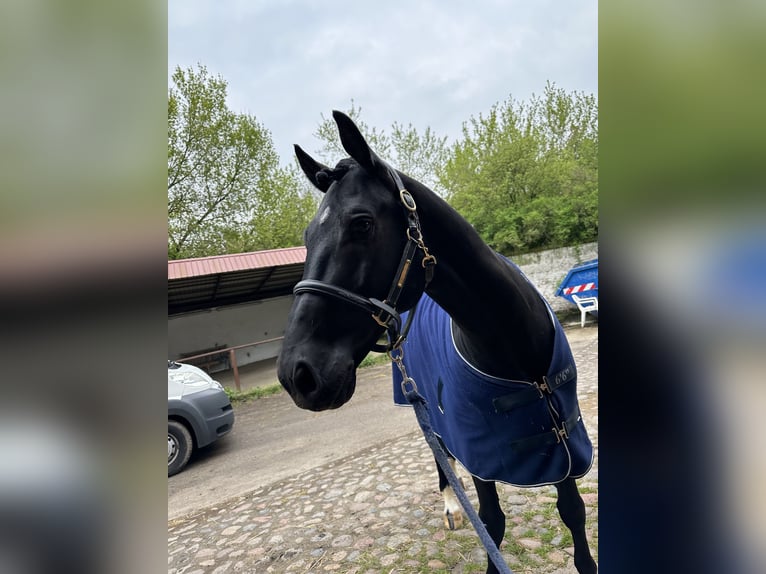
(453, 520)
(449, 521)
(453, 514)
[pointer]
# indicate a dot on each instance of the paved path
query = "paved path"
(378, 511)
(274, 440)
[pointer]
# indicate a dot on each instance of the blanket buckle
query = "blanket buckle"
(560, 433)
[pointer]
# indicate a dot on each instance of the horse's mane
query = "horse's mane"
(326, 175)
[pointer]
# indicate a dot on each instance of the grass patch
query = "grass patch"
(252, 394)
(374, 360)
(371, 360)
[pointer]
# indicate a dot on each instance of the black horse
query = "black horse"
(379, 241)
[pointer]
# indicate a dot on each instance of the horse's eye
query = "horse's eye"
(361, 227)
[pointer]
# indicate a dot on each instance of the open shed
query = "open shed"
(238, 301)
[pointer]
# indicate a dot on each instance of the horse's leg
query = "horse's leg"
(572, 511)
(491, 515)
(453, 512)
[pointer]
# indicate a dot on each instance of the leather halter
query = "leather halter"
(384, 312)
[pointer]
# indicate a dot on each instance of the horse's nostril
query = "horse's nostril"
(304, 381)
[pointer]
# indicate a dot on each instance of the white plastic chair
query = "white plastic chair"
(585, 305)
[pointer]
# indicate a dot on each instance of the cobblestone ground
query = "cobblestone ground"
(379, 511)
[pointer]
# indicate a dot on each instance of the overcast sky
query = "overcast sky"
(431, 63)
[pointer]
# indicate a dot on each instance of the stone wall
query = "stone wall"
(547, 269)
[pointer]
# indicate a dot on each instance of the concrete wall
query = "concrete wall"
(261, 320)
(547, 269)
(231, 326)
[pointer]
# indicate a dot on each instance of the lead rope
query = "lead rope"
(410, 390)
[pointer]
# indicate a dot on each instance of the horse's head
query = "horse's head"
(356, 248)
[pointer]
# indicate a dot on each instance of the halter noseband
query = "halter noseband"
(384, 312)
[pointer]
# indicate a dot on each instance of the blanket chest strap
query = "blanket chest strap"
(555, 435)
(536, 391)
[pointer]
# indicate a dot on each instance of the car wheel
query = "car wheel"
(179, 447)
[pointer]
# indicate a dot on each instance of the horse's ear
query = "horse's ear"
(354, 143)
(311, 167)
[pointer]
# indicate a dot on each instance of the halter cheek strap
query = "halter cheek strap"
(384, 312)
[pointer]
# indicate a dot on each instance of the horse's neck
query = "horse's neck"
(501, 324)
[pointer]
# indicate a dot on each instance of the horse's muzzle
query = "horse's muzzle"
(312, 391)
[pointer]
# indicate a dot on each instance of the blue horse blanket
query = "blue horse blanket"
(499, 430)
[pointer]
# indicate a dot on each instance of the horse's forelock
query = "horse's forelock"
(345, 164)
(336, 173)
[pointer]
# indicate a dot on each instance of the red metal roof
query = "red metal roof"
(199, 267)
(208, 282)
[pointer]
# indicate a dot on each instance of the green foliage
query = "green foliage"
(526, 174)
(279, 216)
(421, 156)
(226, 190)
(374, 360)
(332, 150)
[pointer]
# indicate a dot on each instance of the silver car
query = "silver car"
(199, 413)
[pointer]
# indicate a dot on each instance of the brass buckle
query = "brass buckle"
(407, 200)
(378, 317)
(561, 433)
(542, 388)
(428, 260)
(398, 343)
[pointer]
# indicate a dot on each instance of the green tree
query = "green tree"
(282, 212)
(226, 190)
(526, 174)
(421, 156)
